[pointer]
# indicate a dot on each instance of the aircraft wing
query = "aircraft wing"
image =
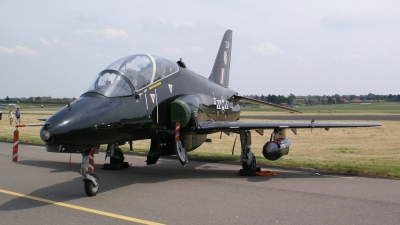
(255, 101)
(214, 126)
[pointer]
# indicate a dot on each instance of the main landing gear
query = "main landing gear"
(247, 158)
(178, 145)
(91, 180)
(116, 158)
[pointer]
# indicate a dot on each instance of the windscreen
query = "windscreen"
(140, 70)
(111, 84)
(164, 68)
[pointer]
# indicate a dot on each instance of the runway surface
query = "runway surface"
(326, 117)
(42, 189)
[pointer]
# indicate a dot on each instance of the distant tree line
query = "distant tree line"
(325, 99)
(38, 100)
(280, 99)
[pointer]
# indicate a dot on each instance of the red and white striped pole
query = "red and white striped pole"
(177, 131)
(91, 161)
(15, 147)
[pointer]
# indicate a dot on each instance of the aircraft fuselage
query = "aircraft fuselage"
(94, 119)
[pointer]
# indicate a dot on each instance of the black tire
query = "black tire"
(90, 188)
(253, 164)
(244, 166)
(181, 153)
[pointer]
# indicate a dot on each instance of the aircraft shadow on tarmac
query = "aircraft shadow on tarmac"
(160, 172)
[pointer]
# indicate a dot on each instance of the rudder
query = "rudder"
(220, 71)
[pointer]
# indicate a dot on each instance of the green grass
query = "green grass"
(351, 107)
(387, 107)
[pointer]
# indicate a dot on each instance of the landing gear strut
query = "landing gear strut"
(247, 158)
(90, 179)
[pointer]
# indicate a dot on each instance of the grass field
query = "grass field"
(374, 151)
(392, 108)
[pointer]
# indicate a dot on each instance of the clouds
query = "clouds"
(85, 39)
(184, 24)
(161, 23)
(340, 22)
(109, 33)
(180, 51)
(382, 56)
(270, 50)
(267, 49)
(349, 57)
(84, 32)
(295, 41)
(114, 34)
(84, 16)
(19, 51)
(57, 42)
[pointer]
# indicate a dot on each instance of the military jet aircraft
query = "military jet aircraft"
(144, 96)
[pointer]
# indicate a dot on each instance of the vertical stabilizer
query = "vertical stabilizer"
(220, 71)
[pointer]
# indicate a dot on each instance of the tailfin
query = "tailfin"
(220, 71)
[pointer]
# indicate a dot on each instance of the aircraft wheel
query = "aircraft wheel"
(252, 166)
(181, 152)
(244, 165)
(90, 188)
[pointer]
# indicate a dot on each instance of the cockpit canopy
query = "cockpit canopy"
(131, 73)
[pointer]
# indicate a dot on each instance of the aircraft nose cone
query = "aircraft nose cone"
(62, 125)
(78, 122)
(45, 134)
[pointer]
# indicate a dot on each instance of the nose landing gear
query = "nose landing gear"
(91, 180)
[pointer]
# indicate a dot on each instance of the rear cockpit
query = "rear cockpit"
(132, 73)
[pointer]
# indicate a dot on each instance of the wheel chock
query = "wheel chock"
(126, 165)
(107, 166)
(266, 173)
(115, 166)
(242, 172)
(258, 172)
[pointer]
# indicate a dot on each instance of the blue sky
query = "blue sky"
(56, 48)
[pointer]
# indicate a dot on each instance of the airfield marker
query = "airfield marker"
(177, 131)
(91, 161)
(15, 147)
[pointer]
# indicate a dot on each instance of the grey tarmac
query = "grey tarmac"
(200, 193)
(326, 117)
